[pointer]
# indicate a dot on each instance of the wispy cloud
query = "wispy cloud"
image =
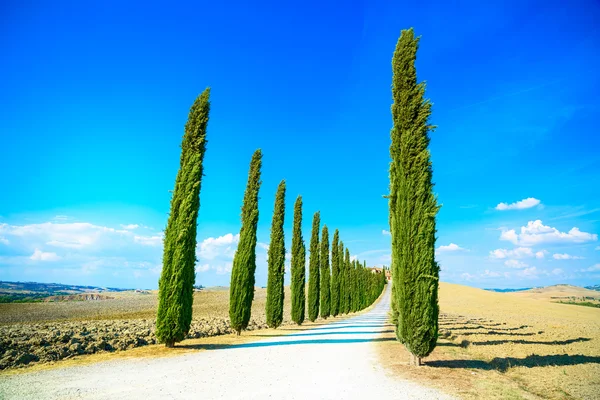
(519, 252)
(384, 232)
(130, 227)
(536, 233)
(566, 256)
(515, 264)
(39, 255)
(593, 268)
(450, 248)
(519, 205)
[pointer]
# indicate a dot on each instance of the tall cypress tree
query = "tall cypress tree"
(335, 274)
(176, 283)
(313, 270)
(276, 262)
(342, 278)
(298, 266)
(347, 282)
(325, 274)
(241, 291)
(413, 206)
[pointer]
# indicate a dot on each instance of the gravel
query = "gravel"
(332, 361)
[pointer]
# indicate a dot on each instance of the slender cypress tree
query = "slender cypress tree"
(298, 266)
(241, 291)
(313, 270)
(347, 282)
(335, 274)
(342, 278)
(413, 206)
(325, 274)
(176, 283)
(276, 262)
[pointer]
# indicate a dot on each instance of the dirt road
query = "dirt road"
(330, 361)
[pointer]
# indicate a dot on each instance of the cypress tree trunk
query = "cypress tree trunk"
(413, 206)
(176, 283)
(313, 270)
(241, 291)
(276, 262)
(335, 275)
(325, 275)
(298, 266)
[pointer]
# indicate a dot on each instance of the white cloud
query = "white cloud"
(531, 272)
(515, 264)
(540, 254)
(225, 245)
(60, 218)
(593, 268)
(597, 248)
(384, 232)
(468, 277)
(202, 268)
(450, 247)
(536, 233)
(149, 240)
(566, 256)
(3, 240)
(39, 255)
(519, 205)
(557, 271)
(353, 258)
(519, 252)
(130, 227)
(264, 246)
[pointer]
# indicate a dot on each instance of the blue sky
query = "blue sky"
(95, 96)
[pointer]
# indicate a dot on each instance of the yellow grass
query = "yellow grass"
(501, 345)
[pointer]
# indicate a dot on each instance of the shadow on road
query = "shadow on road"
(330, 333)
(282, 343)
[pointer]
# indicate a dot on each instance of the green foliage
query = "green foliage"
(176, 283)
(313, 270)
(241, 290)
(412, 206)
(347, 282)
(298, 266)
(335, 274)
(325, 274)
(276, 262)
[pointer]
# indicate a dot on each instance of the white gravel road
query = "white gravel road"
(333, 361)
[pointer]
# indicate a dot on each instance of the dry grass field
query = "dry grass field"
(48, 332)
(508, 346)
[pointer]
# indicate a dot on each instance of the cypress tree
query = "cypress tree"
(176, 283)
(347, 282)
(298, 266)
(313, 270)
(413, 206)
(325, 274)
(335, 274)
(342, 278)
(276, 262)
(241, 291)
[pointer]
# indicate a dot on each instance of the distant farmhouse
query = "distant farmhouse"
(376, 270)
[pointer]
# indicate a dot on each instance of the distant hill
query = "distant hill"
(507, 290)
(558, 293)
(594, 287)
(26, 292)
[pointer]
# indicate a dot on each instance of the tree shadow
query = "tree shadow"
(486, 327)
(502, 364)
(282, 343)
(499, 333)
(552, 343)
(332, 326)
(330, 333)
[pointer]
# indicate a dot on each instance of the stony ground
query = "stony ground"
(336, 360)
(33, 333)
